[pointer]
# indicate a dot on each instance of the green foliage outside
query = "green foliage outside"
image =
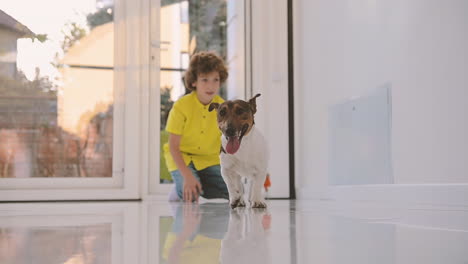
(164, 173)
(208, 25)
(166, 105)
(25, 103)
(100, 17)
(72, 32)
(21, 86)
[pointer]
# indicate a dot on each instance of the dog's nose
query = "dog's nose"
(230, 131)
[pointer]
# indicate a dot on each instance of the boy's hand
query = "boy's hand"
(192, 217)
(192, 188)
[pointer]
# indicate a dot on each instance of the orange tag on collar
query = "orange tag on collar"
(267, 183)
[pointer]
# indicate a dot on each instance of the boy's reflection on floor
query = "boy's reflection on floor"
(213, 233)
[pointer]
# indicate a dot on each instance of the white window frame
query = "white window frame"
(154, 189)
(269, 73)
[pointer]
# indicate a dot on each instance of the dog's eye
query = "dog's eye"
(222, 112)
(239, 111)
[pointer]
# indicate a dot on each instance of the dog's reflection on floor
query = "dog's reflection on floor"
(213, 233)
(246, 238)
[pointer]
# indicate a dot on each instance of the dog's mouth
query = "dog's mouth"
(234, 141)
(233, 144)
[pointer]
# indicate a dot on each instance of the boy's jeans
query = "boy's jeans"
(213, 185)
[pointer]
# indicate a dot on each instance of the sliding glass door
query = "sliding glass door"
(182, 28)
(86, 87)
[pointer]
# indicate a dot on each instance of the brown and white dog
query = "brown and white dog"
(244, 153)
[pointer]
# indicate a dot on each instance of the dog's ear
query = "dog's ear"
(213, 106)
(253, 103)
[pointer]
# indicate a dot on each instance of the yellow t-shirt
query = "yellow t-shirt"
(201, 139)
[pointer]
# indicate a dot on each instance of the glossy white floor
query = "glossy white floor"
(288, 232)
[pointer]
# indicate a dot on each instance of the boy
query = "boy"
(192, 153)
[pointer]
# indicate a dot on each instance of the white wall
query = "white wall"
(345, 48)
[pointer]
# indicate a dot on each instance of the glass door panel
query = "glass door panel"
(64, 94)
(56, 89)
(185, 27)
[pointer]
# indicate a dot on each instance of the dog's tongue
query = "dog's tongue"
(232, 145)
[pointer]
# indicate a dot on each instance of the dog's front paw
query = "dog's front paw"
(237, 203)
(259, 204)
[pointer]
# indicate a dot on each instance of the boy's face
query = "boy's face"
(207, 86)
